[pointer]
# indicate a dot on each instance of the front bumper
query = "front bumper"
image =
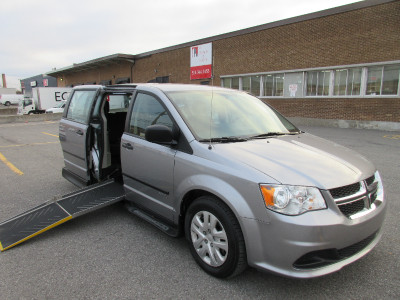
(313, 244)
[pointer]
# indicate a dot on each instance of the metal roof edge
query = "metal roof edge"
(92, 61)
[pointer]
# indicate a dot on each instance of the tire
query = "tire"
(215, 238)
(7, 103)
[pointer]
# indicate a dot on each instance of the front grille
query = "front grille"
(345, 191)
(322, 258)
(352, 199)
(370, 180)
(352, 208)
(373, 197)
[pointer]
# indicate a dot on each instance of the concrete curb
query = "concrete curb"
(30, 118)
(375, 125)
(8, 110)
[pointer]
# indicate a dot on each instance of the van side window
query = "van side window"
(147, 111)
(119, 103)
(80, 105)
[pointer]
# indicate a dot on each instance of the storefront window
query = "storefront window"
(273, 85)
(347, 82)
(246, 84)
(356, 80)
(255, 85)
(318, 83)
(383, 80)
(235, 83)
(390, 84)
(226, 82)
(374, 81)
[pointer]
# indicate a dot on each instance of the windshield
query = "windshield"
(59, 105)
(234, 114)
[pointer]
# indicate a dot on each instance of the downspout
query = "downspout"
(132, 61)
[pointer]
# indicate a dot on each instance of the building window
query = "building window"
(246, 84)
(122, 80)
(235, 83)
(251, 84)
(161, 79)
(347, 82)
(318, 83)
(374, 81)
(105, 82)
(255, 85)
(383, 80)
(226, 82)
(273, 84)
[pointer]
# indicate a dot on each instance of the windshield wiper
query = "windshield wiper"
(230, 139)
(268, 134)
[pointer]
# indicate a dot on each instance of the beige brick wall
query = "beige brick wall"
(365, 109)
(362, 36)
(109, 72)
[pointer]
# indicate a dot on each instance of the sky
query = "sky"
(39, 35)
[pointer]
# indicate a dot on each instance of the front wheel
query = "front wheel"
(215, 238)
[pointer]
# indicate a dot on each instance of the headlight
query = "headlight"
(292, 200)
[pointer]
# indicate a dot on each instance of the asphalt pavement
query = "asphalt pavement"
(111, 254)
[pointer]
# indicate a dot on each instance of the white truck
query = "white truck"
(42, 99)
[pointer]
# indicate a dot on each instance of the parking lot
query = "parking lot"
(111, 254)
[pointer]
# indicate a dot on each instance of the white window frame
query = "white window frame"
(331, 69)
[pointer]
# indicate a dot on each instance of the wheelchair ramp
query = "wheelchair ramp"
(53, 213)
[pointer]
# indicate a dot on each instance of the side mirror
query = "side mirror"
(160, 134)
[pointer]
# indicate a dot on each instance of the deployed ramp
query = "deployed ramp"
(53, 213)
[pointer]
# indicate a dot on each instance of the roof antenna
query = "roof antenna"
(211, 114)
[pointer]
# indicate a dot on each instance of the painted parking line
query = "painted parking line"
(50, 134)
(33, 144)
(10, 165)
(392, 137)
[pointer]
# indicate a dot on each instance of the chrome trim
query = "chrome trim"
(364, 193)
(363, 212)
(361, 192)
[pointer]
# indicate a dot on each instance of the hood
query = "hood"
(300, 160)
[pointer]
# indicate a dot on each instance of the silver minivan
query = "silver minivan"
(243, 184)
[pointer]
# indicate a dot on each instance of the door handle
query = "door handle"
(127, 146)
(80, 132)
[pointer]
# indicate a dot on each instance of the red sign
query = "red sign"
(45, 82)
(200, 72)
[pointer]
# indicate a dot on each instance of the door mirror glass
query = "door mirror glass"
(159, 134)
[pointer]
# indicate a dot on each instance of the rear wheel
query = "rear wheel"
(215, 238)
(7, 103)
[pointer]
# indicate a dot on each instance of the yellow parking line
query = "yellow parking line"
(33, 144)
(10, 165)
(50, 134)
(392, 137)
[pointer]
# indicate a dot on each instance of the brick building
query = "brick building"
(341, 63)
